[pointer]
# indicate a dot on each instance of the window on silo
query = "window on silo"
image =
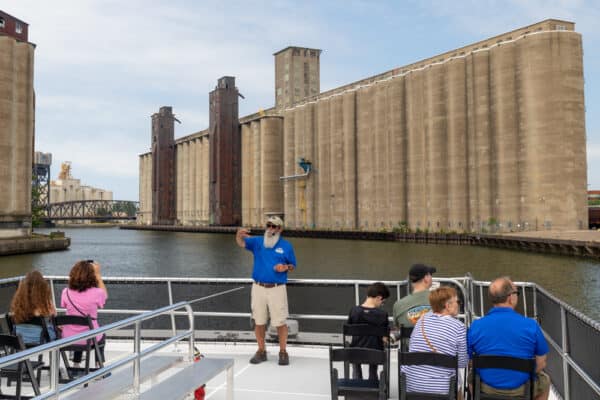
(1, 22)
(18, 28)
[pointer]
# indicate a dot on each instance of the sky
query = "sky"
(102, 68)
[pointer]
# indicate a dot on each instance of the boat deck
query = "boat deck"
(307, 376)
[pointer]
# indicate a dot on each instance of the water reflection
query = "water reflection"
(143, 253)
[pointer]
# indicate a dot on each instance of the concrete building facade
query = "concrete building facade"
(68, 188)
(487, 137)
(17, 115)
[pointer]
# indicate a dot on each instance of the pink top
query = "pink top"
(88, 303)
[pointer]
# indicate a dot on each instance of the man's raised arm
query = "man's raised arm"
(240, 235)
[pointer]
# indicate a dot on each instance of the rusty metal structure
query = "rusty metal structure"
(225, 190)
(163, 154)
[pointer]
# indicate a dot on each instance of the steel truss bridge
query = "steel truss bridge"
(94, 210)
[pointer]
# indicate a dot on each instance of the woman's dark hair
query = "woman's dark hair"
(82, 276)
(33, 297)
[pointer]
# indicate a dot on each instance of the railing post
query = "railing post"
(356, 294)
(137, 346)
(54, 371)
(170, 289)
(565, 351)
(192, 350)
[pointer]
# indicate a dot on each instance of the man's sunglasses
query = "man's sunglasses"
(269, 225)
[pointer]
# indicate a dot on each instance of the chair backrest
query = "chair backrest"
(44, 331)
(358, 355)
(61, 320)
(527, 365)
(11, 343)
(6, 324)
(81, 320)
(428, 359)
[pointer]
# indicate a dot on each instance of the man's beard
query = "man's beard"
(270, 240)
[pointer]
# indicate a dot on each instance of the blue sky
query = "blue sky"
(102, 68)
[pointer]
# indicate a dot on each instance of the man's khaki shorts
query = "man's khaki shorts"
(541, 385)
(267, 302)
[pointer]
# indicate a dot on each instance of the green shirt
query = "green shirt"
(409, 309)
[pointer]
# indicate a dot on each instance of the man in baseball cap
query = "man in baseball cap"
(273, 258)
(409, 309)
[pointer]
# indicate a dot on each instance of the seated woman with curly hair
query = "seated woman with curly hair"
(85, 293)
(32, 299)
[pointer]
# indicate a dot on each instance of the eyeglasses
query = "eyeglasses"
(270, 225)
(515, 292)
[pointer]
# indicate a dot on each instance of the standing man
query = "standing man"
(504, 332)
(273, 259)
(409, 309)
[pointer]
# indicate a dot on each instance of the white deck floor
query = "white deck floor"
(307, 376)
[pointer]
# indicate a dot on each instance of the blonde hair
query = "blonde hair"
(439, 297)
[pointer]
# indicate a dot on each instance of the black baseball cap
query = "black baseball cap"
(419, 271)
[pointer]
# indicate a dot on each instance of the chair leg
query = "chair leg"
(34, 382)
(65, 359)
(19, 379)
(87, 361)
(99, 358)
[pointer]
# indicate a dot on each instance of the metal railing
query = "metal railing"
(53, 348)
(321, 306)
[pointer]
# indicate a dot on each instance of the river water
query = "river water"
(174, 254)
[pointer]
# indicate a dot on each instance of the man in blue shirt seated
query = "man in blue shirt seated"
(504, 332)
(273, 259)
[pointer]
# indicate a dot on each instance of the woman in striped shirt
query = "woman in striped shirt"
(437, 331)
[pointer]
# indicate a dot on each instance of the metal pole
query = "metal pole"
(229, 388)
(136, 364)
(192, 335)
(173, 330)
(54, 371)
(565, 351)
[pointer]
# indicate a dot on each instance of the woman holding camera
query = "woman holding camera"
(85, 294)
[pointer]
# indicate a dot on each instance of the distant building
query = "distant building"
(11, 26)
(489, 137)
(67, 188)
(17, 116)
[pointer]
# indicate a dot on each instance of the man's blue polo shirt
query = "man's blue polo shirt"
(266, 259)
(504, 332)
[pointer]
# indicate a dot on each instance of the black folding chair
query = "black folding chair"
(368, 330)
(20, 371)
(405, 333)
(91, 343)
(526, 365)
(44, 338)
(363, 388)
(428, 359)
